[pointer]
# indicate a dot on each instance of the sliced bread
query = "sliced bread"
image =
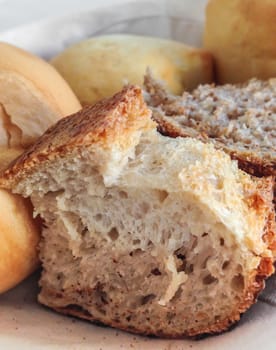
(240, 119)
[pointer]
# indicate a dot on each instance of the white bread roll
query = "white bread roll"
(241, 36)
(99, 67)
(19, 239)
(32, 97)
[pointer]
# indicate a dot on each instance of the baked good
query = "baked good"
(240, 119)
(32, 97)
(240, 34)
(100, 66)
(20, 235)
(143, 232)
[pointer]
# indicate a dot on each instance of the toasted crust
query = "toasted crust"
(101, 123)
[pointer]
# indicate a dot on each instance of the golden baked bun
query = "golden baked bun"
(32, 97)
(19, 236)
(99, 67)
(241, 36)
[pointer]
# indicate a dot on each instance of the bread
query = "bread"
(240, 34)
(100, 66)
(143, 232)
(32, 96)
(19, 240)
(240, 119)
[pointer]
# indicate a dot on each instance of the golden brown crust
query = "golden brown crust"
(105, 122)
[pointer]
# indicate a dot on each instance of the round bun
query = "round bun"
(241, 36)
(19, 240)
(100, 66)
(32, 97)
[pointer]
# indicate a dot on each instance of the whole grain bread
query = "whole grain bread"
(143, 232)
(240, 119)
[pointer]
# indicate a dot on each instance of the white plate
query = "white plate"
(26, 325)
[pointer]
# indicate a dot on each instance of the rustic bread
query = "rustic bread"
(240, 34)
(240, 119)
(143, 232)
(99, 67)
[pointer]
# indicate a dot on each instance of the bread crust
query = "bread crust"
(101, 123)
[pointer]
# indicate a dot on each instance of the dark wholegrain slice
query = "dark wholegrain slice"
(240, 119)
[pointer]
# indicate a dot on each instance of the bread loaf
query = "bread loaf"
(99, 67)
(240, 34)
(32, 96)
(143, 232)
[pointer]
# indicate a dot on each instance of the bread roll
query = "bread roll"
(241, 36)
(32, 97)
(144, 232)
(99, 67)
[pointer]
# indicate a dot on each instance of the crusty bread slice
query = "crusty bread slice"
(240, 119)
(143, 232)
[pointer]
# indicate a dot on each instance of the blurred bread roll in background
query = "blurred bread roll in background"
(32, 97)
(241, 35)
(99, 67)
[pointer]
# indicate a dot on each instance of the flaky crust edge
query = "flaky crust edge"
(108, 121)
